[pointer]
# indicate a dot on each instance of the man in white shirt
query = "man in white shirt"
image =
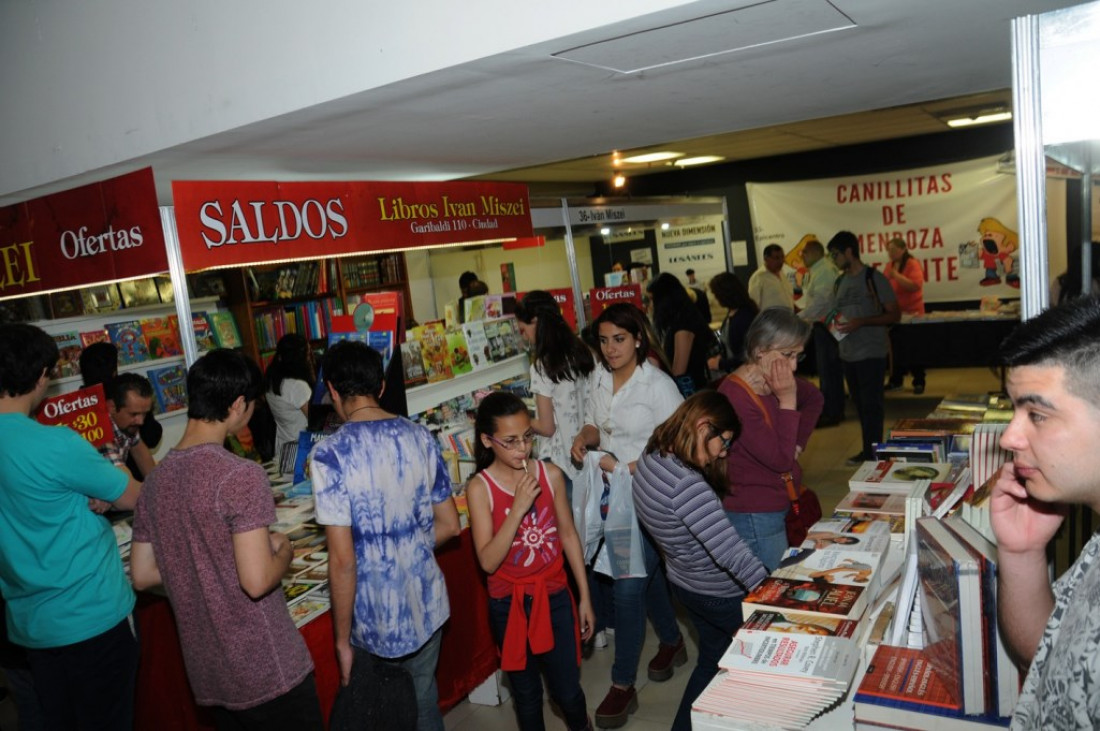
(817, 300)
(767, 286)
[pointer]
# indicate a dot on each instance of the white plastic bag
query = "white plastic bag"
(587, 489)
(622, 536)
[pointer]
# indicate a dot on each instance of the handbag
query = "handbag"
(805, 507)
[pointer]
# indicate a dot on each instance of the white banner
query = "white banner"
(958, 219)
(696, 245)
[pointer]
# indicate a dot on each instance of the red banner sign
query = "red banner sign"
(84, 411)
(95, 233)
(603, 297)
(241, 222)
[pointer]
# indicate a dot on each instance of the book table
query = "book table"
(467, 657)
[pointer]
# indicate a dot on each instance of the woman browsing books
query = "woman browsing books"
(778, 413)
(289, 381)
(560, 372)
(677, 484)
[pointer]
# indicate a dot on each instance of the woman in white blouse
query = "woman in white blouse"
(290, 381)
(628, 398)
(560, 371)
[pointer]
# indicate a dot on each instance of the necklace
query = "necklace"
(355, 411)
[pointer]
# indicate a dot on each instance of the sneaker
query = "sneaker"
(616, 707)
(856, 460)
(600, 640)
(667, 658)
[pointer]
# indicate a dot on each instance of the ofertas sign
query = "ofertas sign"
(95, 233)
(603, 297)
(564, 298)
(243, 222)
(84, 411)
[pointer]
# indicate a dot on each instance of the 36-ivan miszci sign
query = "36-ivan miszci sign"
(94, 233)
(242, 222)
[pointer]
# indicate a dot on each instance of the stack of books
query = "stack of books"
(807, 661)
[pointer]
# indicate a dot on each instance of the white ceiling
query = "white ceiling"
(692, 73)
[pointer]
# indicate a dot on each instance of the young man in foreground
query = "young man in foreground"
(201, 529)
(1054, 382)
(68, 599)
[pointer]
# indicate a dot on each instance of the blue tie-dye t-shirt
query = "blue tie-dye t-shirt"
(382, 478)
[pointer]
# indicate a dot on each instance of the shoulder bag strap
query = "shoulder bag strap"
(787, 477)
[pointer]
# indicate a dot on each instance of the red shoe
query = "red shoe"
(616, 707)
(667, 658)
(990, 281)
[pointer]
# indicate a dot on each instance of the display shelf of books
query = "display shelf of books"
(430, 395)
(271, 300)
(373, 273)
(147, 337)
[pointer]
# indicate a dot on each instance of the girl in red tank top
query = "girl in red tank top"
(523, 533)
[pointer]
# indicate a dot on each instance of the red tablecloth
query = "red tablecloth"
(466, 658)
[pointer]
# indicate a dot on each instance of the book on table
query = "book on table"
(849, 534)
(951, 605)
(898, 477)
(902, 690)
(1003, 688)
(910, 451)
(878, 503)
(826, 583)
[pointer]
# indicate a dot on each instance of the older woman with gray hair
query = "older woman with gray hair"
(778, 413)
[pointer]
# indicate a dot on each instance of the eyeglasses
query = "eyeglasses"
(516, 444)
(725, 442)
(798, 357)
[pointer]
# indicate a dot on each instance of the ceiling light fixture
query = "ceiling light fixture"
(605, 231)
(968, 117)
(619, 180)
(698, 160)
(665, 226)
(652, 157)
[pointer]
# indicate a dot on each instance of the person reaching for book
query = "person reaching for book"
(522, 526)
(677, 486)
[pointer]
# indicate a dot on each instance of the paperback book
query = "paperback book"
(204, 335)
(225, 329)
(162, 336)
(851, 535)
(69, 348)
(951, 605)
(814, 597)
(127, 337)
(169, 387)
(477, 345)
(412, 362)
(94, 336)
(898, 477)
(460, 352)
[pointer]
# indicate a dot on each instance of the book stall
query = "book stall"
(886, 616)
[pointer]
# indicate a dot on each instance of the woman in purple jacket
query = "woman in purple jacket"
(778, 413)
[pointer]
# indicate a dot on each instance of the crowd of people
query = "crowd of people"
(703, 467)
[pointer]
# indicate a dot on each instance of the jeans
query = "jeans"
(298, 708)
(89, 684)
(715, 619)
(865, 383)
(830, 372)
(766, 534)
(421, 665)
(560, 666)
(633, 599)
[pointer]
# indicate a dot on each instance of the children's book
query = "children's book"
(170, 387)
(162, 336)
(225, 329)
(128, 339)
(204, 335)
(433, 351)
(412, 362)
(477, 345)
(138, 292)
(94, 336)
(66, 304)
(460, 353)
(69, 348)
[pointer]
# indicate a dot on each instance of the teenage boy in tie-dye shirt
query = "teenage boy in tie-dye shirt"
(383, 492)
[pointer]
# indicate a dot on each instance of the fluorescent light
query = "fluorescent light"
(664, 226)
(652, 157)
(605, 231)
(699, 160)
(980, 119)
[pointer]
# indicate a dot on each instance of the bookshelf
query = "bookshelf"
(271, 300)
(429, 395)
